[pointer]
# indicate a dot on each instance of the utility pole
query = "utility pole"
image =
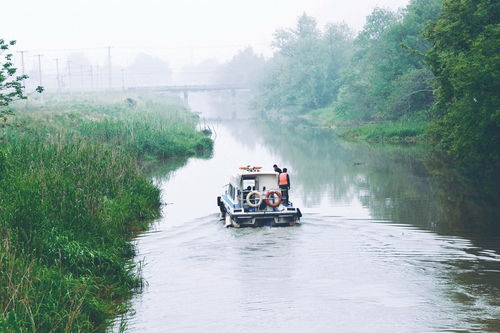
(123, 79)
(82, 73)
(69, 74)
(97, 77)
(22, 63)
(58, 77)
(191, 56)
(91, 78)
(39, 67)
(109, 67)
(23, 72)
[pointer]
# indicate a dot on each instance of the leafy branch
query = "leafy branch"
(11, 85)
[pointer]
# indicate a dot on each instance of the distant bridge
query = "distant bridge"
(186, 89)
(192, 87)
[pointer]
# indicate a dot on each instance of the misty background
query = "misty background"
(94, 45)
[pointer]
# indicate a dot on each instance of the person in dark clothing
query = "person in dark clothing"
(246, 191)
(276, 169)
(284, 184)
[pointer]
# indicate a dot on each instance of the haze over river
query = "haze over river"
(381, 248)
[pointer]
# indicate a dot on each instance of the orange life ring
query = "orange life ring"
(273, 203)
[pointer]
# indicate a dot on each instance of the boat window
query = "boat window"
(231, 191)
(249, 182)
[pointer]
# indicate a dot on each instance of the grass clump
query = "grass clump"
(68, 209)
(386, 131)
(408, 129)
(73, 194)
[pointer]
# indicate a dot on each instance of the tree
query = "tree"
(465, 59)
(304, 72)
(285, 40)
(147, 70)
(245, 68)
(11, 86)
(388, 78)
(306, 27)
(377, 23)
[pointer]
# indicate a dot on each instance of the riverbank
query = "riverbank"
(73, 194)
(368, 208)
(402, 131)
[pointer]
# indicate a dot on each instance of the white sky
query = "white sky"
(182, 32)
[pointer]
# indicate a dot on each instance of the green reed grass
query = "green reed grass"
(72, 194)
(388, 131)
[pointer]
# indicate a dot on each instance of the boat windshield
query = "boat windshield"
(249, 183)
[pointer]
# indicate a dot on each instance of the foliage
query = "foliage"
(148, 70)
(387, 78)
(379, 75)
(305, 71)
(150, 134)
(68, 207)
(71, 199)
(150, 130)
(11, 86)
(465, 59)
(244, 69)
(410, 66)
(388, 131)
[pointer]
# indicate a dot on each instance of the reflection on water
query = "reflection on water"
(387, 243)
(405, 184)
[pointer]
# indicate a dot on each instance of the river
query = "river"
(386, 244)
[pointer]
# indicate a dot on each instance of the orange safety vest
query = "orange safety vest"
(283, 179)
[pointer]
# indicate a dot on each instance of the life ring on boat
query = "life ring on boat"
(251, 202)
(271, 201)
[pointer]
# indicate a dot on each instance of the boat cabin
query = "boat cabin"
(253, 198)
(242, 184)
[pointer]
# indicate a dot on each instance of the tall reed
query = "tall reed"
(72, 194)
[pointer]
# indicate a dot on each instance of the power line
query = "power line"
(177, 47)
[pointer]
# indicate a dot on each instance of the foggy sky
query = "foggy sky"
(182, 32)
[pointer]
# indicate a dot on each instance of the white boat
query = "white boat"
(252, 199)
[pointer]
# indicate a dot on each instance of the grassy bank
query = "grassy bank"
(385, 131)
(411, 130)
(72, 196)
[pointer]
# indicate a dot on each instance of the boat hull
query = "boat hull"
(284, 217)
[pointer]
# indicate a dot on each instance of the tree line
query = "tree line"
(435, 61)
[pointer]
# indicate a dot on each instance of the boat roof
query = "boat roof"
(250, 172)
(256, 173)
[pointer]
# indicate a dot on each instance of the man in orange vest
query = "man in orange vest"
(284, 184)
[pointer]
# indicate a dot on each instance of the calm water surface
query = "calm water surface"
(382, 245)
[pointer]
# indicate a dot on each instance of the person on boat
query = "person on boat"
(284, 184)
(276, 169)
(246, 191)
